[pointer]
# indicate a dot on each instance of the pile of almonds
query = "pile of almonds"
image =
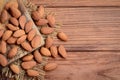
(19, 32)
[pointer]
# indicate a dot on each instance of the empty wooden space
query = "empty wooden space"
(93, 27)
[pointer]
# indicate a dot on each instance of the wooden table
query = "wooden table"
(93, 27)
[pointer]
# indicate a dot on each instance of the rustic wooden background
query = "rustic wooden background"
(93, 27)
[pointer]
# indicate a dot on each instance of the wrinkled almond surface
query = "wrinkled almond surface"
(62, 36)
(50, 66)
(12, 52)
(14, 21)
(28, 64)
(31, 34)
(35, 15)
(28, 57)
(32, 73)
(62, 51)
(15, 12)
(12, 40)
(48, 42)
(21, 39)
(26, 46)
(54, 51)
(37, 56)
(41, 22)
(12, 27)
(19, 33)
(15, 68)
(44, 51)
(28, 26)
(46, 30)
(4, 16)
(1, 32)
(11, 4)
(51, 20)
(7, 34)
(36, 41)
(41, 11)
(3, 60)
(3, 47)
(22, 21)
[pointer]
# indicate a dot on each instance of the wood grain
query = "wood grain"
(76, 3)
(87, 66)
(89, 28)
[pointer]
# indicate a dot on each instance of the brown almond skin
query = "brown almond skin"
(19, 33)
(7, 34)
(62, 51)
(12, 28)
(22, 21)
(54, 51)
(32, 73)
(31, 34)
(15, 12)
(3, 60)
(62, 36)
(48, 42)
(46, 30)
(50, 66)
(21, 39)
(11, 4)
(26, 46)
(41, 11)
(35, 15)
(4, 16)
(28, 26)
(12, 40)
(28, 57)
(14, 21)
(51, 20)
(36, 41)
(1, 32)
(12, 52)
(37, 56)
(41, 22)
(44, 51)
(15, 68)
(3, 46)
(28, 64)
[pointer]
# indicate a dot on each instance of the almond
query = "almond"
(3, 60)
(11, 40)
(37, 56)
(36, 41)
(31, 34)
(28, 26)
(1, 32)
(28, 64)
(19, 33)
(50, 66)
(15, 12)
(7, 34)
(28, 57)
(21, 39)
(54, 51)
(35, 15)
(62, 51)
(22, 21)
(4, 16)
(62, 36)
(41, 22)
(46, 30)
(12, 52)
(15, 68)
(44, 51)
(14, 21)
(3, 47)
(12, 28)
(48, 42)
(11, 4)
(51, 20)
(41, 11)
(32, 73)
(26, 46)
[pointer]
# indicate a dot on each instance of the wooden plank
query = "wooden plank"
(87, 66)
(75, 3)
(89, 28)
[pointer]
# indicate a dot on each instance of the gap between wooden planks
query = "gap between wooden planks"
(87, 66)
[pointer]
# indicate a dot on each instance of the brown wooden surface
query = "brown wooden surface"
(93, 27)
